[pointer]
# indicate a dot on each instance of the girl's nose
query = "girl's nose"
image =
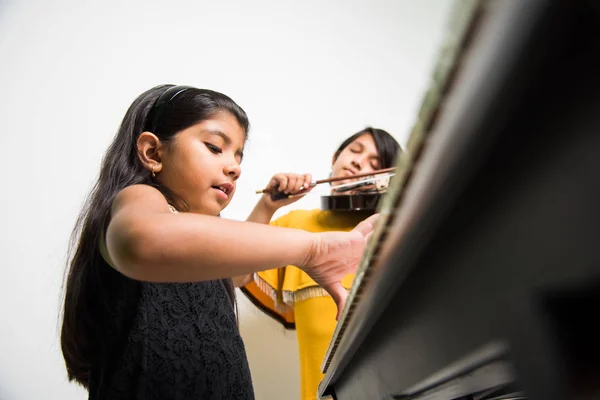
(232, 170)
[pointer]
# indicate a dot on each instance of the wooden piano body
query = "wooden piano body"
(484, 272)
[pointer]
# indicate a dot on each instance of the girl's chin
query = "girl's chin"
(213, 210)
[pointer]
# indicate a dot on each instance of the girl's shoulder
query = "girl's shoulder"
(298, 218)
(140, 195)
(322, 221)
(304, 214)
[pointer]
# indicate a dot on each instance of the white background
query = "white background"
(308, 73)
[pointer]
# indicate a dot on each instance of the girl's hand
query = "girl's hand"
(290, 184)
(336, 254)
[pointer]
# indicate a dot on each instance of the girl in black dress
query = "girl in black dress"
(149, 303)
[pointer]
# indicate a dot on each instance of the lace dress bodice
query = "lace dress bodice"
(171, 341)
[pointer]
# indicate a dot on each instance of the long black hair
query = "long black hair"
(163, 110)
(387, 147)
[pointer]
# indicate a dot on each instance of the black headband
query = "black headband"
(164, 99)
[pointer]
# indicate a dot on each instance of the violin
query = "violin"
(358, 196)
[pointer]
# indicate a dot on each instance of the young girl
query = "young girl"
(289, 294)
(149, 305)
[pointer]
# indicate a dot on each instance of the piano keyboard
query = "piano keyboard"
(463, 23)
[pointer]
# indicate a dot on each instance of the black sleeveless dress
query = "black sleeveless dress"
(169, 341)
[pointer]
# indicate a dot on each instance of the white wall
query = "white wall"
(309, 73)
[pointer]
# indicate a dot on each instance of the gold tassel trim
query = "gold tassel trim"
(271, 292)
(290, 297)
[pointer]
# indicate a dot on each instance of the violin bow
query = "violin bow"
(340, 178)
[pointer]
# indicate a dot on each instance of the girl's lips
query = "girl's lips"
(226, 187)
(220, 193)
(224, 190)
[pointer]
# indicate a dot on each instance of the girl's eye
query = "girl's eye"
(355, 150)
(213, 148)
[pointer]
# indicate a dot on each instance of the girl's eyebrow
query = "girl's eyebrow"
(218, 133)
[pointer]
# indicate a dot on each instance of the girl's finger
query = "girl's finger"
(291, 183)
(283, 181)
(299, 184)
(307, 181)
(339, 295)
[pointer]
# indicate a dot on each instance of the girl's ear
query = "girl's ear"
(149, 149)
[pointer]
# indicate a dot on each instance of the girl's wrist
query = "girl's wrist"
(308, 247)
(268, 205)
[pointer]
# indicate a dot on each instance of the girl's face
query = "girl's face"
(358, 157)
(202, 163)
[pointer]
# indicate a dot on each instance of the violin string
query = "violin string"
(333, 188)
(371, 174)
(370, 179)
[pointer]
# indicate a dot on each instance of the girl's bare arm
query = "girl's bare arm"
(147, 242)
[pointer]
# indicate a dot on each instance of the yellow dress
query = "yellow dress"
(289, 295)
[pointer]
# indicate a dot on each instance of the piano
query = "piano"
(482, 278)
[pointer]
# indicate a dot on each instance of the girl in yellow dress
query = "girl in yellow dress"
(288, 294)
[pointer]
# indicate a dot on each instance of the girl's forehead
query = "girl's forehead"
(365, 139)
(225, 125)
